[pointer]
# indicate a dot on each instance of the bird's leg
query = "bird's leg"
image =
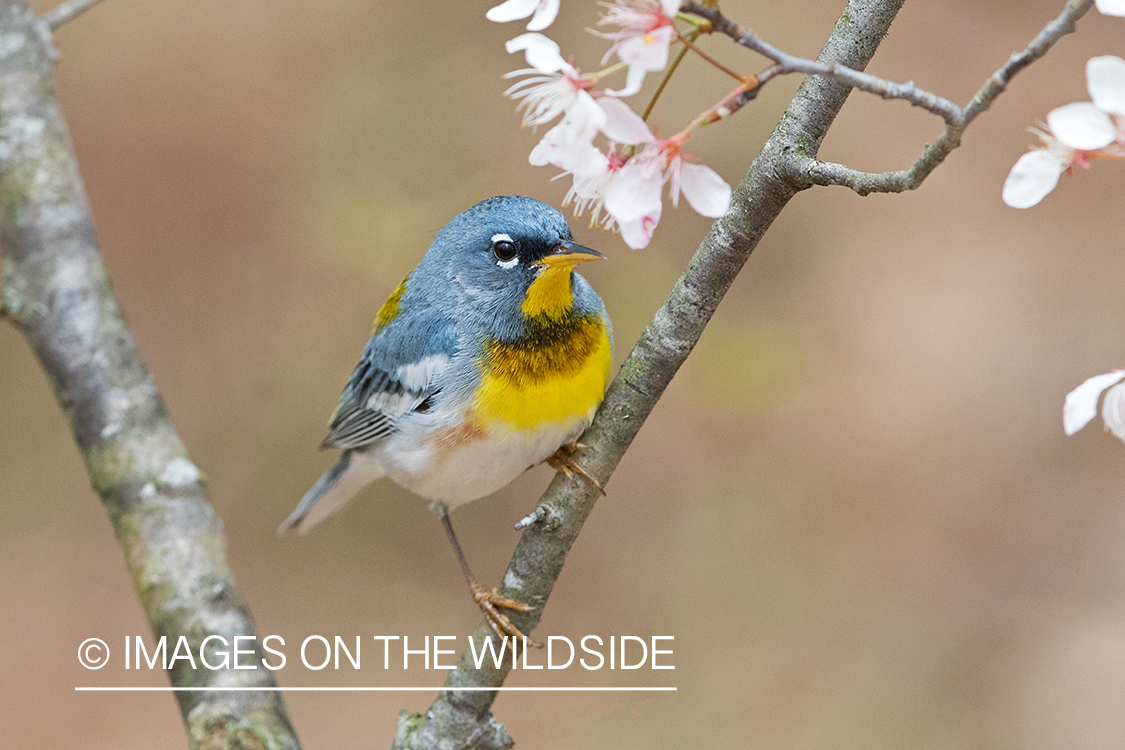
(489, 600)
(563, 460)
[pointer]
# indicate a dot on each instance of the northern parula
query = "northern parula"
(490, 357)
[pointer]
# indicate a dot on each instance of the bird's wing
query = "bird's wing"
(400, 372)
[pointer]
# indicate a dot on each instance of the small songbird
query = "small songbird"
(490, 357)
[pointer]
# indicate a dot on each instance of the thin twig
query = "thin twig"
(665, 78)
(67, 12)
(793, 64)
(689, 44)
(817, 172)
(806, 170)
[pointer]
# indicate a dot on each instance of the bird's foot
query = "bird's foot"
(563, 460)
(489, 600)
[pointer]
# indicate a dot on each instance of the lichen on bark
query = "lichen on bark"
(54, 288)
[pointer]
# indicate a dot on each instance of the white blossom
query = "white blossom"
(542, 52)
(542, 12)
(569, 145)
(1082, 403)
(1073, 135)
(553, 87)
(1034, 175)
(623, 125)
(1111, 7)
(1105, 81)
(643, 40)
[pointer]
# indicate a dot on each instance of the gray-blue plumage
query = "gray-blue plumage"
(458, 297)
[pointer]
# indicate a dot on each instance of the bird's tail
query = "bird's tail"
(335, 488)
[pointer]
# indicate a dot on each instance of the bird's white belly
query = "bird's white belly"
(468, 466)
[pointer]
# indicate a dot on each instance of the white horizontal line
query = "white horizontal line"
(370, 689)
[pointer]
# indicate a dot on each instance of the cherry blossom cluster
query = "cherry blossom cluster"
(620, 184)
(1074, 134)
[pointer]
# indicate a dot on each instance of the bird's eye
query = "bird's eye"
(504, 250)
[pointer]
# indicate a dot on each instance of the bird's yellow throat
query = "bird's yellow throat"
(550, 378)
(555, 374)
(549, 295)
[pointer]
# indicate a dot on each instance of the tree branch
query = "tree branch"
(785, 63)
(54, 288)
(68, 11)
(806, 169)
(463, 719)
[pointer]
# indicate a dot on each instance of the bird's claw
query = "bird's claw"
(489, 600)
(563, 460)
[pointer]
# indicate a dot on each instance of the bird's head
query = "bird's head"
(511, 253)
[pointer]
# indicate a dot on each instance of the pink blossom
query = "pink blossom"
(633, 200)
(633, 197)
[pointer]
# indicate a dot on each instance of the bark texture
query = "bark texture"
(54, 288)
(463, 720)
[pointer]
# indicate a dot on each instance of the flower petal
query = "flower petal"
(1082, 126)
(544, 16)
(511, 10)
(585, 116)
(542, 53)
(568, 145)
(622, 124)
(1111, 7)
(635, 191)
(1113, 410)
(705, 190)
(637, 232)
(1105, 79)
(1082, 403)
(670, 7)
(649, 50)
(1034, 175)
(559, 147)
(633, 81)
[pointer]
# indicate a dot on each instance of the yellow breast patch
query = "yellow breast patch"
(554, 376)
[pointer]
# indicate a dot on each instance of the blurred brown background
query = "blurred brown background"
(855, 508)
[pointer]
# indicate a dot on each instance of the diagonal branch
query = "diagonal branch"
(54, 288)
(463, 719)
(68, 11)
(808, 170)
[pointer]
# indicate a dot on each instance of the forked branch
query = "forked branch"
(806, 170)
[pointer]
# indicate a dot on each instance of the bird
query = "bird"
(491, 356)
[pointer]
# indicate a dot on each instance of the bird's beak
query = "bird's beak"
(569, 254)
